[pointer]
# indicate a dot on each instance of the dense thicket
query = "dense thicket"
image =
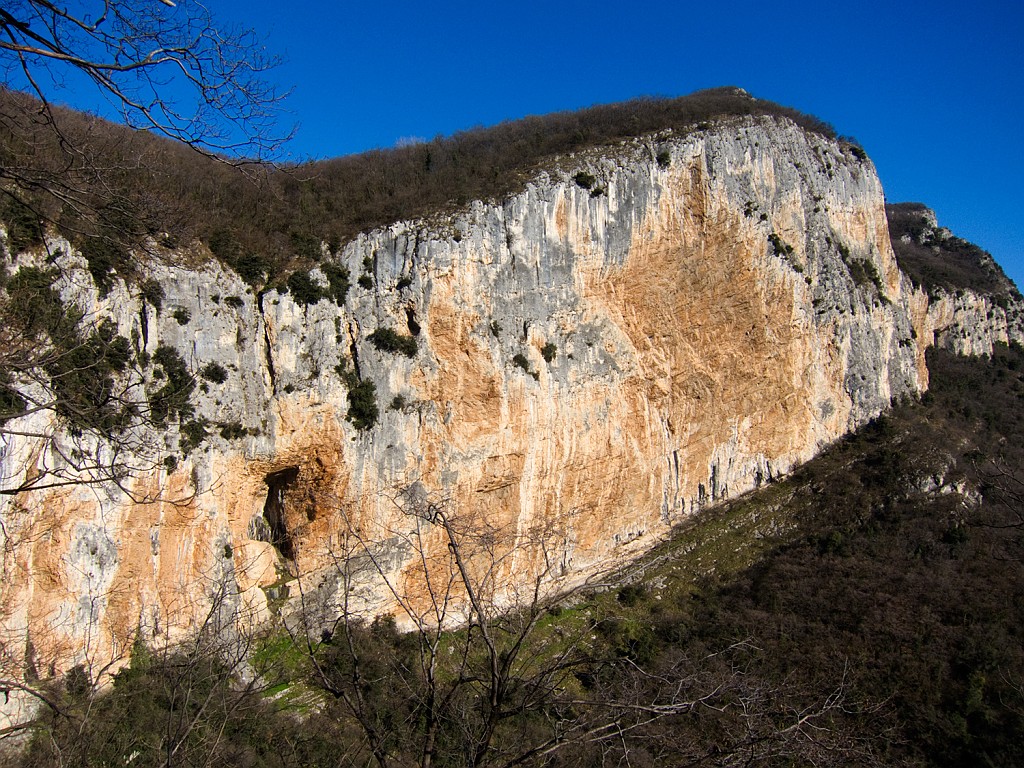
(111, 186)
(882, 624)
(934, 258)
(899, 590)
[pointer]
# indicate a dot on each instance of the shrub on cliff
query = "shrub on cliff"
(214, 373)
(362, 404)
(171, 400)
(337, 281)
(584, 179)
(304, 289)
(388, 340)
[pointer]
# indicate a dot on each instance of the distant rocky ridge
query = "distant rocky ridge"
(972, 303)
(639, 333)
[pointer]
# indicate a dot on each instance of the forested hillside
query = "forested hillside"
(112, 189)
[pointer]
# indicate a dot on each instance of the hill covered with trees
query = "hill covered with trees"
(112, 189)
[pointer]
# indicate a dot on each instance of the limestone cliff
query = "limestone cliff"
(644, 330)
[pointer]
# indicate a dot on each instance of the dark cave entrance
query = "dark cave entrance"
(274, 509)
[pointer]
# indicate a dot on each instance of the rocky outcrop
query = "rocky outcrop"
(972, 304)
(970, 323)
(641, 332)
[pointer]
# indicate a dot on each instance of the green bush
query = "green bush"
(337, 281)
(853, 146)
(105, 255)
(584, 179)
(214, 372)
(303, 289)
(780, 246)
(362, 404)
(388, 340)
(864, 274)
(233, 431)
(83, 378)
(182, 316)
(548, 352)
(519, 360)
(234, 301)
(632, 594)
(664, 159)
(192, 435)
(251, 267)
(172, 399)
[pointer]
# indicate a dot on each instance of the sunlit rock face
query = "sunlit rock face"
(642, 331)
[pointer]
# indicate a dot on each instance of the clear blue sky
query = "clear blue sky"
(933, 91)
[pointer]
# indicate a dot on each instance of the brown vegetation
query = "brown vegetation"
(121, 186)
(935, 259)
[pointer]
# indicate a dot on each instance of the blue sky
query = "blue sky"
(933, 91)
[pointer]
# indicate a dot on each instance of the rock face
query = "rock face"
(641, 332)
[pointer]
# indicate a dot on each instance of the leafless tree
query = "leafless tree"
(73, 397)
(169, 69)
(470, 668)
(1002, 487)
(166, 67)
(448, 671)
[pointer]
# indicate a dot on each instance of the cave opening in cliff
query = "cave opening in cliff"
(274, 510)
(410, 319)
